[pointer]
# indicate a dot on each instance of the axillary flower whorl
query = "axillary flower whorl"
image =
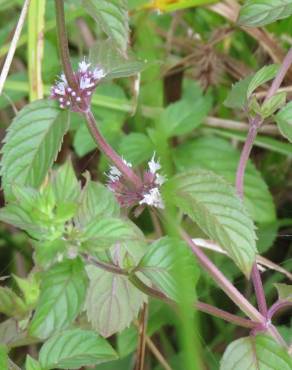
(78, 99)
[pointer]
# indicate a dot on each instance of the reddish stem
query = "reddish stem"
(277, 306)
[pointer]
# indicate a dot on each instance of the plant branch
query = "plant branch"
(277, 306)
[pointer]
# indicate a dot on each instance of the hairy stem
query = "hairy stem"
(252, 133)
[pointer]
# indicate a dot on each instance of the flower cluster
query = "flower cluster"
(149, 192)
(78, 99)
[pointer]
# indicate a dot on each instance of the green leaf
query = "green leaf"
(183, 116)
(96, 201)
(136, 148)
(254, 353)
(65, 185)
(62, 295)
(11, 304)
(262, 76)
(218, 155)
(257, 13)
(273, 104)
(284, 292)
(236, 98)
(32, 364)
(105, 232)
(32, 143)
(213, 204)
(29, 288)
(112, 17)
(115, 65)
(3, 357)
(112, 301)
(284, 121)
(160, 263)
(75, 348)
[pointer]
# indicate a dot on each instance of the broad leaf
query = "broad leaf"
(11, 304)
(75, 348)
(112, 301)
(160, 265)
(213, 204)
(32, 364)
(96, 201)
(136, 148)
(254, 353)
(262, 76)
(284, 121)
(62, 295)
(256, 13)
(112, 17)
(32, 143)
(284, 292)
(220, 156)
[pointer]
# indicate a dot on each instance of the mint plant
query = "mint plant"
(112, 261)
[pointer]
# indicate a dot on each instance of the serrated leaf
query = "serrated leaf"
(160, 262)
(284, 292)
(183, 116)
(284, 121)
(213, 204)
(96, 201)
(136, 148)
(254, 353)
(32, 143)
(75, 348)
(262, 76)
(273, 104)
(104, 54)
(257, 13)
(218, 155)
(237, 97)
(105, 232)
(11, 304)
(112, 301)
(112, 17)
(63, 290)
(65, 185)
(32, 364)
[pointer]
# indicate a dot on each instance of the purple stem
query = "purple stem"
(255, 123)
(279, 305)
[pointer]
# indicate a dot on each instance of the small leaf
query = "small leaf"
(32, 364)
(159, 264)
(29, 288)
(65, 185)
(183, 116)
(237, 97)
(136, 148)
(284, 292)
(262, 76)
(273, 104)
(254, 353)
(11, 304)
(284, 121)
(112, 301)
(213, 204)
(112, 17)
(104, 232)
(75, 348)
(257, 13)
(32, 143)
(96, 201)
(62, 295)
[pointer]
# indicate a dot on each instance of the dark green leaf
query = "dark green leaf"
(284, 121)
(254, 353)
(32, 144)
(256, 13)
(62, 295)
(213, 204)
(75, 348)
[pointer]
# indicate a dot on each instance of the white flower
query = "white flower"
(153, 198)
(63, 79)
(154, 166)
(85, 83)
(98, 73)
(72, 253)
(83, 66)
(159, 179)
(114, 174)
